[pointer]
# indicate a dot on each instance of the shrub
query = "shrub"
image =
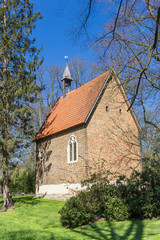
(78, 211)
(142, 192)
(134, 197)
(115, 209)
(90, 205)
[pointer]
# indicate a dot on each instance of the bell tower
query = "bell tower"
(66, 78)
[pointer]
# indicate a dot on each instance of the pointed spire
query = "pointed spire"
(66, 78)
(66, 73)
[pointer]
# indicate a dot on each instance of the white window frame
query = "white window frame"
(72, 140)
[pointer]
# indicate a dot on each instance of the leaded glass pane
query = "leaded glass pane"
(75, 151)
(70, 152)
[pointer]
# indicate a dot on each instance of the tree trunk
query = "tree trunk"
(8, 202)
(7, 198)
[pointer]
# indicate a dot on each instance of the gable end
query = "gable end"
(126, 100)
(111, 74)
(109, 77)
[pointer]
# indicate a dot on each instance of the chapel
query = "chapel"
(89, 130)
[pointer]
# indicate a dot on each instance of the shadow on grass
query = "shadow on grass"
(22, 200)
(28, 235)
(33, 235)
(26, 200)
(109, 231)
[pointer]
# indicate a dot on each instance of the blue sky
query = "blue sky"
(53, 31)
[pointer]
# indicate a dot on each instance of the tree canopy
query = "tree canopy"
(19, 62)
(129, 42)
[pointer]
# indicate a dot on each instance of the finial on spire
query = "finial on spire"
(66, 78)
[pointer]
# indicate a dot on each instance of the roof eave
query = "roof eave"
(66, 129)
(98, 96)
(109, 76)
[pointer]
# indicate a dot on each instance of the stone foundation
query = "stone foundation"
(58, 191)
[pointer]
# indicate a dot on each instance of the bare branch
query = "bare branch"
(145, 119)
(150, 10)
(149, 59)
(156, 32)
(115, 24)
(83, 26)
(130, 43)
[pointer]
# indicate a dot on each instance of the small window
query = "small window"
(72, 149)
(120, 111)
(106, 108)
(41, 154)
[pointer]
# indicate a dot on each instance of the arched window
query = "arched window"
(72, 149)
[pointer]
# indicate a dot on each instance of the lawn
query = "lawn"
(38, 219)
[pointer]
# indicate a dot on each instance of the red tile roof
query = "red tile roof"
(73, 109)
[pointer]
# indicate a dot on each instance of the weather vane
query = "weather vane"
(66, 57)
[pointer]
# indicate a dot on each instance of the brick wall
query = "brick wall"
(109, 142)
(112, 135)
(54, 167)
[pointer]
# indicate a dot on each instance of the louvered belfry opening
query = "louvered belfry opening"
(66, 80)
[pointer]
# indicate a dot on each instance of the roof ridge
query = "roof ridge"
(73, 109)
(106, 72)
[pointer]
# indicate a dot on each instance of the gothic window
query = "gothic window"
(72, 149)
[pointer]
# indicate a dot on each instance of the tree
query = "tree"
(52, 90)
(130, 41)
(18, 90)
(80, 71)
(22, 176)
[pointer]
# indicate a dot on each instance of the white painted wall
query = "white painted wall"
(60, 189)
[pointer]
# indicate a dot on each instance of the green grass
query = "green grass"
(38, 219)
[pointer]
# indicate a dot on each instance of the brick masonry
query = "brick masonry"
(112, 135)
(109, 141)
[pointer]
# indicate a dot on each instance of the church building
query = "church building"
(89, 130)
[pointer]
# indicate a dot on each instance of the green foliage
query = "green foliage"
(19, 61)
(142, 191)
(134, 197)
(23, 181)
(96, 202)
(115, 209)
(76, 213)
